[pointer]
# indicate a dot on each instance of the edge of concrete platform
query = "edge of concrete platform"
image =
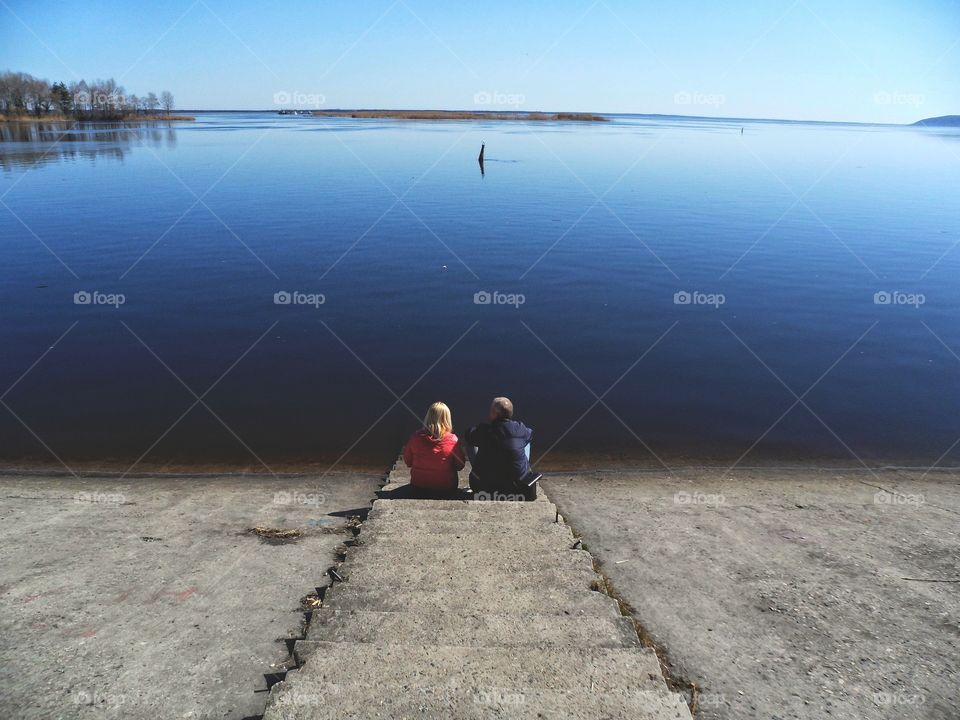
(674, 680)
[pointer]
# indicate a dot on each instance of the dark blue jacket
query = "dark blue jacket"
(501, 461)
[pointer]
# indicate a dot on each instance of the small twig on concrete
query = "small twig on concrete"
(930, 580)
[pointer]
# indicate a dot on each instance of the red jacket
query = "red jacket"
(433, 463)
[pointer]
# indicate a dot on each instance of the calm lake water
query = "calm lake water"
(664, 289)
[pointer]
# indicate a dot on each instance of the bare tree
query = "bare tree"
(40, 97)
(6, 92)
(16, 92)
(22, 94)
(80, 93)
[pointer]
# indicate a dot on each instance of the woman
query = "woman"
(433, 453)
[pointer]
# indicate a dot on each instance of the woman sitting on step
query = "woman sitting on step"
(433, 453)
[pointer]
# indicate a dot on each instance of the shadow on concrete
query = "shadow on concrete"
(409, 492)
(358, 512)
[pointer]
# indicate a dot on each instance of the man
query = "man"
(500, 455)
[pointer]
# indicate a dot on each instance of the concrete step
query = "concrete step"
(506, 599)
(401, 466)
(394, 483)
(391, 578)
(476, 521)
(478, 531)
(387, 506)
(470, 628)
(470, 509)
(414, 546)
(549, 668)
(397, 485)
(382, 701)
(408, 576)
(492, 559)
(547, 538)
(464, 609)
(400, 520)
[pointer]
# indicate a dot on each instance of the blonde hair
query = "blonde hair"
(438, 421)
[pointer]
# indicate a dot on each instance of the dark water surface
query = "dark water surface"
(597, 226)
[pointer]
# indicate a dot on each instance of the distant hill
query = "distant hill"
(942, 121)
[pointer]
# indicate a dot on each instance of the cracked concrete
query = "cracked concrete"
(782, 593)
(149, 598)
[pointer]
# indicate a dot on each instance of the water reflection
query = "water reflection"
(688, 210)
(28, 144)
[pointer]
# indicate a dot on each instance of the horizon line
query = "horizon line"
(604, 114)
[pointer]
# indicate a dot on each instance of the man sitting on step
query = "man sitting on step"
(499, 452)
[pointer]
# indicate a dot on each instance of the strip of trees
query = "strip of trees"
(22, 94)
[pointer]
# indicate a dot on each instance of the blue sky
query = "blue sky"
(855, 60)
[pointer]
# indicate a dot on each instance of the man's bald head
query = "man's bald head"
(501, 409)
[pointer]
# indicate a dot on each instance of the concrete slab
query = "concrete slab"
(407, 577)
(414, 665)
(148, 598)
(474, 629)
(469, 515)
(547, 538)
(492, 559)
(381, 700)
(572, 601)
(423, 530)
(794, 593)
(452, 504)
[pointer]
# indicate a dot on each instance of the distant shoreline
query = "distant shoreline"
(132, 119)
(498, 114)
(941, 121)
(462, 115)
